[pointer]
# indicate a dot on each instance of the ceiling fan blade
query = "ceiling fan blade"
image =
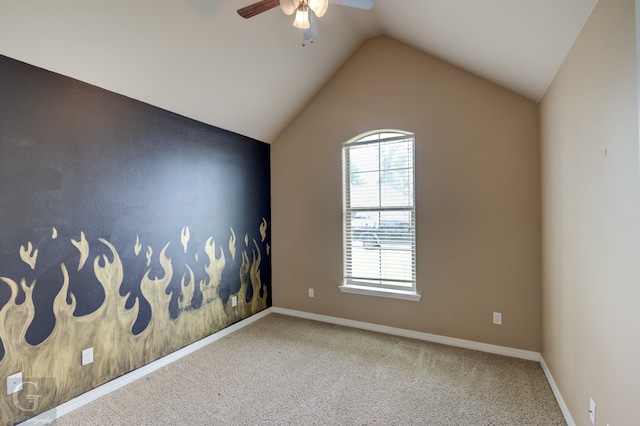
(256, 8)
(359, 4)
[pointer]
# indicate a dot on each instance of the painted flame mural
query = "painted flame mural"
(124, 228)
(109, 329)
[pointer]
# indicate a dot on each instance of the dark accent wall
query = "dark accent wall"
(123, 227)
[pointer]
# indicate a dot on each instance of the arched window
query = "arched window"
(379, 214)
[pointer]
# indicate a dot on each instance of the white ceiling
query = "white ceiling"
(200, 59)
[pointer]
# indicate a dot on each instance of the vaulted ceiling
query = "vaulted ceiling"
(198, 58)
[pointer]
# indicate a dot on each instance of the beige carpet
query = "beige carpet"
(282, 370)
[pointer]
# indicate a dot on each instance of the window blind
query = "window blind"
(379, 211)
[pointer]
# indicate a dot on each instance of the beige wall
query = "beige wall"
(478, 197)
(591, 217)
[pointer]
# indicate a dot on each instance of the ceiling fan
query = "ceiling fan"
(306, 11)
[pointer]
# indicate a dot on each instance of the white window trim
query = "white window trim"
(380, 292)
(373, 290)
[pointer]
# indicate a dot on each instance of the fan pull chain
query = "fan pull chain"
(304, 42)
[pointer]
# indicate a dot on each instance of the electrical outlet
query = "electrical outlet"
(497, 318)
(234, 301)
(87, 356)
(310, 292)
(592, 411)
(14, 383)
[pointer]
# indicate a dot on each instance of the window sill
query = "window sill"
(380, 292)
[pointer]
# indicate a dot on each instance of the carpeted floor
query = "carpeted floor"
(283, 370)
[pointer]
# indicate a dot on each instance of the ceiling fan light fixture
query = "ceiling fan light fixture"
(302, 17)
(306, 11)
(319, 7)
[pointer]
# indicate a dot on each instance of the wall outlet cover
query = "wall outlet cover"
(234, 301)
(310, 292)
(87, 356)
(14, 383)
(497, 318)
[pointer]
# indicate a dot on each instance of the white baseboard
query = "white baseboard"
(557, 394)
(451, 341)
(85, 398)
(124, 380)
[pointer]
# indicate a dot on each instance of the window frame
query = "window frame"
(381, 286)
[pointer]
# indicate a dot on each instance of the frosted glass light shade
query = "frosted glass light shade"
(302, 18)
(319, 7)
(289, 6)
